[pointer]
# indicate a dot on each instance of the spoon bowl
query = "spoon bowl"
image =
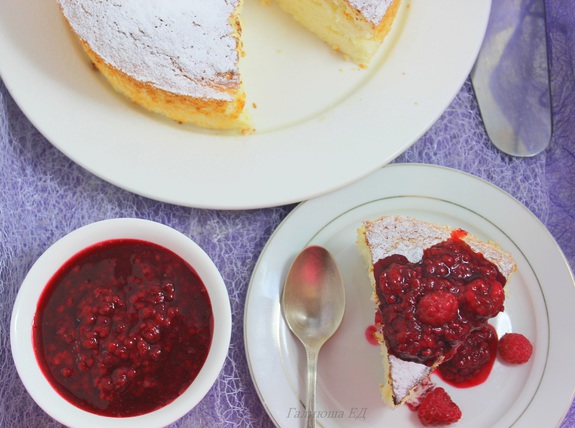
(313, 303)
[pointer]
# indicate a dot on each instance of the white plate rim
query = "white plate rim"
(102, 133)
(555, 390)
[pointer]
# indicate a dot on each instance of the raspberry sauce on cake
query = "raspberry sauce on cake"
(429, 308)
(473, 361)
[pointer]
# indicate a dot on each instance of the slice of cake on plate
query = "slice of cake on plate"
(433, 285)
(356, 28)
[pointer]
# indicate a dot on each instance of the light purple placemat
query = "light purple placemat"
(43, 196)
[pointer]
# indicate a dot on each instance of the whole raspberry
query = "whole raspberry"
(483, 297)
(437, 408)
(437, 308)
(514, 348)
(396, 280)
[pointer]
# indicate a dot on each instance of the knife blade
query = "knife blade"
(510, 78)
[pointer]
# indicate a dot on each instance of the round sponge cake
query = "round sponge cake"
(178, 58)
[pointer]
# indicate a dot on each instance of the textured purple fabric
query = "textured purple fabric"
(44, 195)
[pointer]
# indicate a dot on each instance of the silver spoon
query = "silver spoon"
(313, 303)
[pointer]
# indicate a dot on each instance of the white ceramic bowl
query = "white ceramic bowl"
(47, 265)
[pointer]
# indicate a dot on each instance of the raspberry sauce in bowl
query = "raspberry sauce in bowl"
(121, 322)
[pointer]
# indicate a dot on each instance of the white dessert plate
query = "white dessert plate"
(539, 304)
(321, 122)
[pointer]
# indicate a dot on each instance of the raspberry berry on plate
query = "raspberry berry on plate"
(514, 348)
(437, 408)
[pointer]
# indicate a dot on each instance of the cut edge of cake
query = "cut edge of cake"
(356, 28)
(409, 237)
(361, 25)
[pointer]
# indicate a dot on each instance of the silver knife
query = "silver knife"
(511, 78)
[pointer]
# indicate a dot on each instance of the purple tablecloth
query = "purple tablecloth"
(44, 195)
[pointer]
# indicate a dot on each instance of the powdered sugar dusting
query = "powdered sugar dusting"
(399, 235)
(408, 237)
(504, 262)
(175, 45)
(406, 375)
(373, 10)
(417, 395)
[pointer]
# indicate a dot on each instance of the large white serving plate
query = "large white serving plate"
(321, 122)
(540, 304)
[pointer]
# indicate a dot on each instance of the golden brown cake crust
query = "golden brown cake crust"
(208, 113)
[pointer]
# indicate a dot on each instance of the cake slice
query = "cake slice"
(179, 58)
(356, 28)
(432, 285)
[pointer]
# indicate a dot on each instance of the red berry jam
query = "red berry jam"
(123, 328)
(428, 308)
(473, 360)
(370, 332)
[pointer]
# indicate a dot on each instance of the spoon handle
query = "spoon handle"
(312, 354)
